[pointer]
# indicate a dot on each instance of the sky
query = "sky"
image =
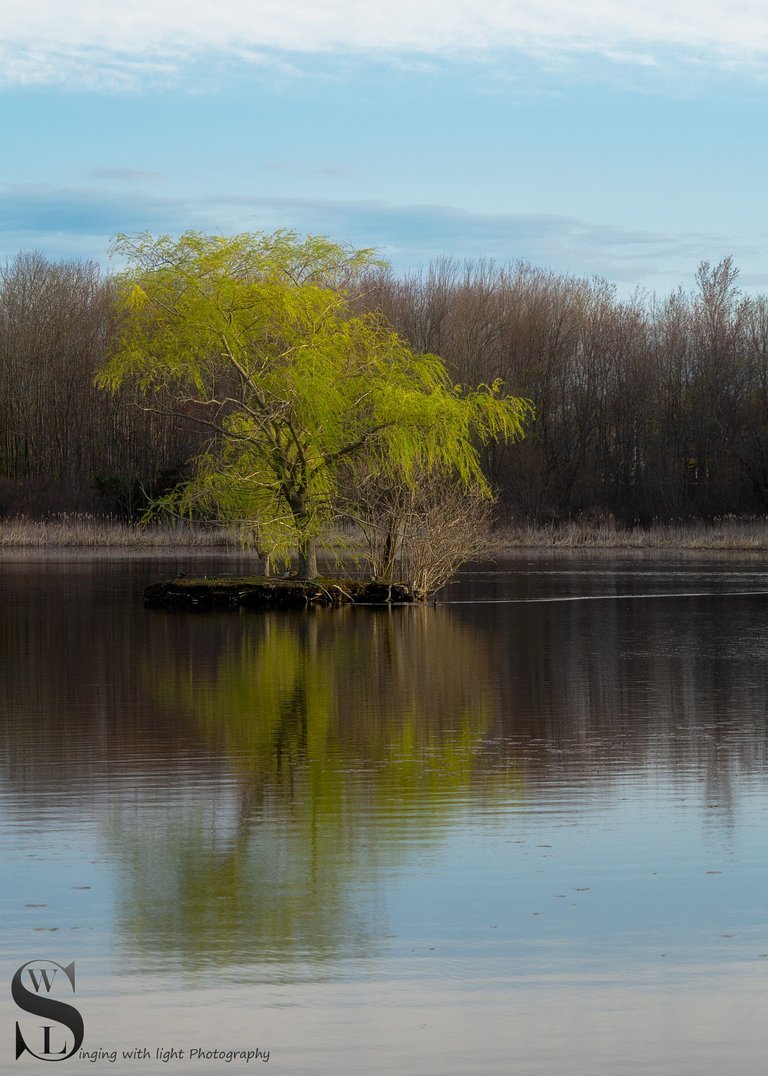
(621, 139)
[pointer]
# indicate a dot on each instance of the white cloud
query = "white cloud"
(111, 41)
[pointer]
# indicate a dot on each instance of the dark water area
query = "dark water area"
(521, 832)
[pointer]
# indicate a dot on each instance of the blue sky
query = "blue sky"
(593, 137)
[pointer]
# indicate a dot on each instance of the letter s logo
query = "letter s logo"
(43, 976)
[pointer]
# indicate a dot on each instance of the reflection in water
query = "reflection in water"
(332, 687)
(281, 798)
(342, 728)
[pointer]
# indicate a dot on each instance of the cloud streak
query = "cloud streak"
(98, 40)
(79, 222)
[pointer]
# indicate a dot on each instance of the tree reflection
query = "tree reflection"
(260, 778)
(342, 730)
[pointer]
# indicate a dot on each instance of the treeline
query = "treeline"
(645, 408)
(64, 444)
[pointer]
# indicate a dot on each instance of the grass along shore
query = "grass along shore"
(731, 533)
(82, 531)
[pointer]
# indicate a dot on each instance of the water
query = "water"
(523, 832)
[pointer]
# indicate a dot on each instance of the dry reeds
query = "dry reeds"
(727, 533)
(81, 530)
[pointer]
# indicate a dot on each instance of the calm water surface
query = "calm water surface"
(523, 832)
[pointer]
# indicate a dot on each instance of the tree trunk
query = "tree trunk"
(307, 542)
(308, 558)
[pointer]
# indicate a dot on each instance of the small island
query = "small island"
(262, 593)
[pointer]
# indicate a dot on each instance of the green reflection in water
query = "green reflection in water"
(352, 739)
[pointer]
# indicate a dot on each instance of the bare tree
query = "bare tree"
(419, 535)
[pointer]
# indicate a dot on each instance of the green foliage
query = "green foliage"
(255, 337)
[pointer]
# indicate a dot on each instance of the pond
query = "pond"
(524, 831)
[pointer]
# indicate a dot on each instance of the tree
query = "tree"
(255, 337)
(417, 534)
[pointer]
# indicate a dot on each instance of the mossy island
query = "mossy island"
(256, 592)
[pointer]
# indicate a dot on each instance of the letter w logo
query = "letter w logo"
(43, 980)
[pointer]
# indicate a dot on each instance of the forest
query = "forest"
(646, 408)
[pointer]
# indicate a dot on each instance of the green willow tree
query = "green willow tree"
(255, 337)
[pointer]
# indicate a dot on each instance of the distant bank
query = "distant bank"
(79, 531)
